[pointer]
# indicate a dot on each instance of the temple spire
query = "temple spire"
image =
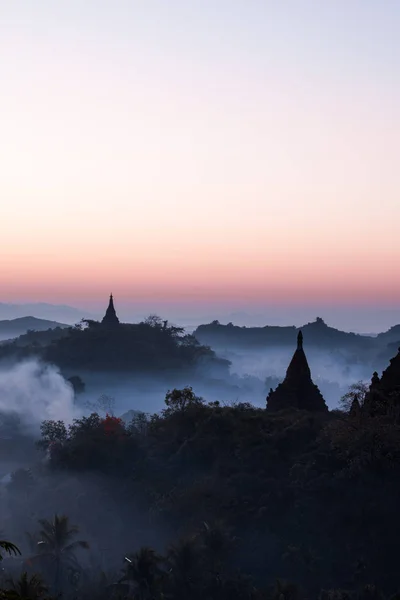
(297, 390)
(384, 392)
(355, 408)
(110, 318)
(300, 341)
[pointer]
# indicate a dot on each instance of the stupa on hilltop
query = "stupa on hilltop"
(384, 392)
(110, 319)
(297, 390)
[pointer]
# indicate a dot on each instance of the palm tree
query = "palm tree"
(238, 587)
(285, 591)
(58, 547)
(217, 544)
(183, 563)
(143, 571)
(28, 587)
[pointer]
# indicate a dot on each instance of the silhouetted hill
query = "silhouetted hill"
(386, 353)
(386, 344)
(317, 333)
(390, 336)
(16, 327)
(149, 346)
(43, 310)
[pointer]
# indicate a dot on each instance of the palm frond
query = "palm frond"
(75, 545)
(9, 548)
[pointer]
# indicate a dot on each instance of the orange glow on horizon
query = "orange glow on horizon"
(165, 161)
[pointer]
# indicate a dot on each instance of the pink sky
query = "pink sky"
(211, 154)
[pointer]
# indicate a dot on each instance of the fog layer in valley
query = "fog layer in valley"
(38, 392)
(35, 392)
(112, 511)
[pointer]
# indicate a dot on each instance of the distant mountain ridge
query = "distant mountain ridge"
(316, 333)
(42, 310)
(12, 328)
(390, 336)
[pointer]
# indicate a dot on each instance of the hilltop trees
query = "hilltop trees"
(357, 391)
(283, 489)
(145, 347)
(180, 401)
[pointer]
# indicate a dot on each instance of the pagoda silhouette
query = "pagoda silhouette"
(110, 319)
(297, 390)
(383, 396)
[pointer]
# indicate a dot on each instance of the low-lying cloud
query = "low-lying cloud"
(35, 392)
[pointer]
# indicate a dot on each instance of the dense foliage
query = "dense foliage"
(231, 498)
(149, 346)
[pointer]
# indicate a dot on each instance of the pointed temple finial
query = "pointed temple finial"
(300, 341)
(297, 390)
(355, 408)
(110, 318)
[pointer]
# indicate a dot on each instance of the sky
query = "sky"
(202, 154)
